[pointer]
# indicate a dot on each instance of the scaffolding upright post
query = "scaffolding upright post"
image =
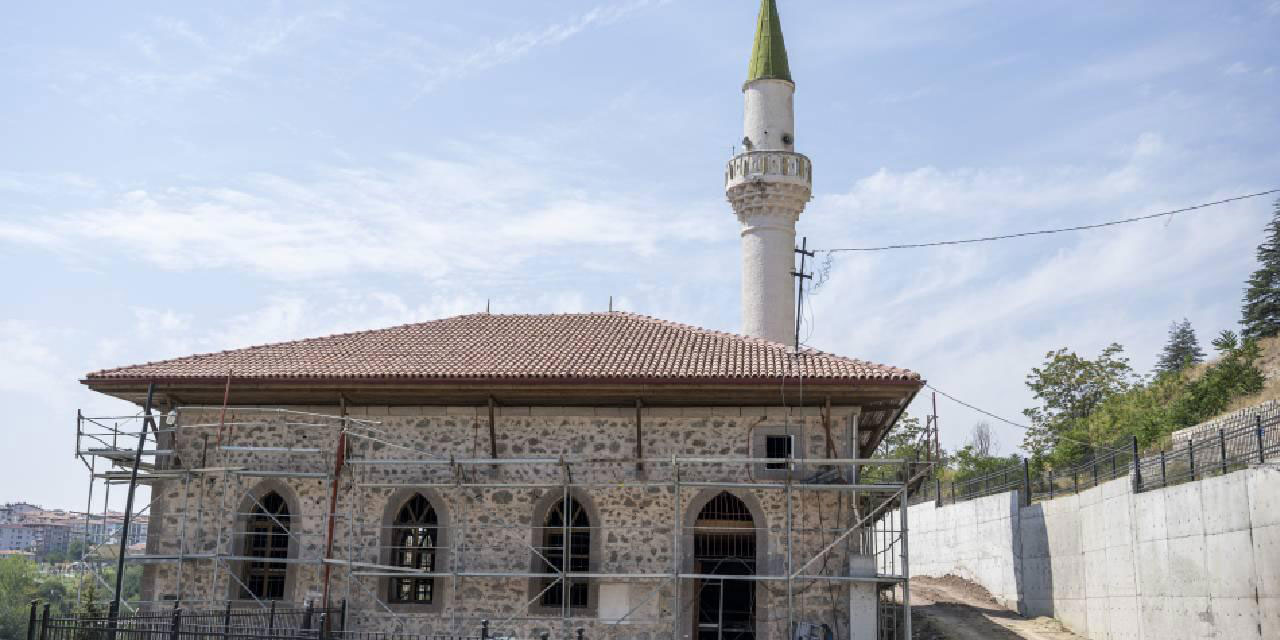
(676, 534)
(565, 583)
(906, 573)
(791, 622)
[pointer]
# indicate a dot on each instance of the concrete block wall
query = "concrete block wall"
(1196, 560)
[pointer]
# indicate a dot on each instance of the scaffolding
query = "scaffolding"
(213, 468)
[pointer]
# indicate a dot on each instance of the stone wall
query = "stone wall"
(489, 529)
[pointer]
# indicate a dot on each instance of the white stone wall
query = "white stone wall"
(489, 528)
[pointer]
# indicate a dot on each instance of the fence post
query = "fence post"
(579, 633)
(226, 621)
(1164, 480)
(484, 630)
(1051, 484)
(937, 492)
(271, 619)
(1191, 455)
(31, 621)
(1137, 468)
(1222, 448)
(1075, 479)
(343, 626)
(306, 615)
(323, 632)
(176, 625)
(44, 622)
(953, 491)
(1262, 450)
(1026, 483)
(1094, 466)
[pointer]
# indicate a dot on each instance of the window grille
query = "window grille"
(777, 447)
(413, 536)
(553, 548)
(267, 536)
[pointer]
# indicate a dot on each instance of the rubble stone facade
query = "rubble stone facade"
(636, 516)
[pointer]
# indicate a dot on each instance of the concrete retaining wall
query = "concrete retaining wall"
(974, 540)
(1196, 560)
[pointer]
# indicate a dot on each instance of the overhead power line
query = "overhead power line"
(982, 411)
(1043, 232)
(1024, 427)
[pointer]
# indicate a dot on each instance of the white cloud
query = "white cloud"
(973, 319)
(514, 47)
(488, 211)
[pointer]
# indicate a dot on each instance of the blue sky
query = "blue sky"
(179, 179)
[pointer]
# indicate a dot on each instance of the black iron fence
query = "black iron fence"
(1208, 454)
(229, 623)
(264, 623)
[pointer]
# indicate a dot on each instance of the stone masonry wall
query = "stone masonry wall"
(490, 529)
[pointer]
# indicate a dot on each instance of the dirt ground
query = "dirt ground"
(951, 608)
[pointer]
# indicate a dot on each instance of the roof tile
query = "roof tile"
(555, 347)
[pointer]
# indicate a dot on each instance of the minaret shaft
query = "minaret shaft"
(769, 185)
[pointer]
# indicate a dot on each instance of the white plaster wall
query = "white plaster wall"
(769, 114)
(1197, 560)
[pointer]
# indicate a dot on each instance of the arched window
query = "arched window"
(413, 546)
(573, 520)
(724, 544)
(267, 537)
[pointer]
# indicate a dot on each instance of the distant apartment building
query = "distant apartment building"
(17, 511)
(29, 528)
(17, 537)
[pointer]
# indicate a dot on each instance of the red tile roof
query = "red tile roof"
(584, 347)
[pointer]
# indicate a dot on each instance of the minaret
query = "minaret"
(768, 185)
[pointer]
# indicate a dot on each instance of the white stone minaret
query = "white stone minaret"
(769, 185)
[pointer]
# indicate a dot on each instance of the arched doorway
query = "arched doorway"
(724, 544)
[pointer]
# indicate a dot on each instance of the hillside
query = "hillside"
(1269, 363)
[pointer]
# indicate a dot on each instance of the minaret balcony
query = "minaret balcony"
(786, 167)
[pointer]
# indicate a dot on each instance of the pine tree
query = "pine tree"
(1182, 350)
(1261, 313)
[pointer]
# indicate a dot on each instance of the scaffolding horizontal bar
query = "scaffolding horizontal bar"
(120, 453)
(656, 484)
(865, 488)
(162, 558)
(668, 461)
(269, 449)
(262, 473)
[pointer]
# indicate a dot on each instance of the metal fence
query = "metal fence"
(1223, 451)
(290, 623)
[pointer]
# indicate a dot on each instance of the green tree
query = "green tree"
(1260, 317)
(904, 440)
(978, 456)
(1070, 389)
(1234, 375)
(1182, 350)
(20, 583)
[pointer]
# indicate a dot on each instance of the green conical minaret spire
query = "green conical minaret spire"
(769, 55)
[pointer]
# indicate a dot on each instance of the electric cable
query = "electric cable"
(1024, 234)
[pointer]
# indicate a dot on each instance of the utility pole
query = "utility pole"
(114, 611)
(801, 276)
